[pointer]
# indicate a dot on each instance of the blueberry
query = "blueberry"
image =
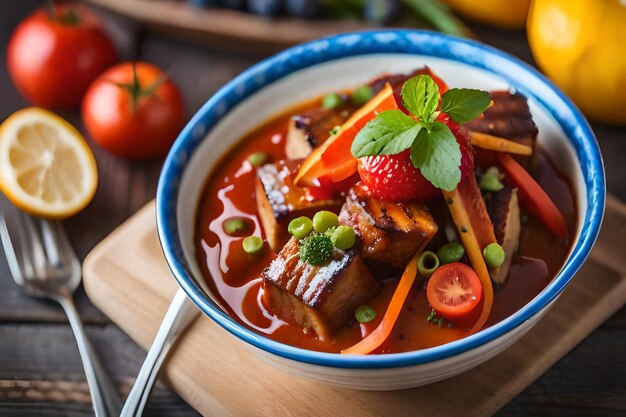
(203, 3)
(382, 11)
(233, 4)
(266, 7)
(304, 8)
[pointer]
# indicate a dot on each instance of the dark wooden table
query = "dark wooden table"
(40, 369)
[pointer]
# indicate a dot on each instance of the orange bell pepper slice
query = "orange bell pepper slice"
(334, 159)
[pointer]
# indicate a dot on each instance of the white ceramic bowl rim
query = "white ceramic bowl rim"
(519, 75)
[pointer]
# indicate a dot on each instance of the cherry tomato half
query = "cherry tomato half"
(133, 110)
(454, 290)
(52, 57)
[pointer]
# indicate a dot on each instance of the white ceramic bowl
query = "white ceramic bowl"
(346, 61)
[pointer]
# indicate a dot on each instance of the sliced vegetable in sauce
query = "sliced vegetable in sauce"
(427, 263)
(470, 216)
(533, 197)
(380, 334)
(454, 290)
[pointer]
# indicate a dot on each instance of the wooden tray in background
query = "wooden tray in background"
(127, 278)
(227, 28)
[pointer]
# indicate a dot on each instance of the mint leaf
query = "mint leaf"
(438, 156)
(420, 96)
(464, 104)
(389, 133)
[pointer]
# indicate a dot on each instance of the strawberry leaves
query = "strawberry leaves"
(434, 149)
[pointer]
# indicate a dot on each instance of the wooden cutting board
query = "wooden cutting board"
(127, 278)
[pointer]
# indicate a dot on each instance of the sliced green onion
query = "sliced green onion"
(324, 220)
(331, 101)
(451, 252)
(257, 159)
(362, 94)
(427, 263)
(365, 314)
(252, 244)
(300, 227)
(494, 255)
(343, 237)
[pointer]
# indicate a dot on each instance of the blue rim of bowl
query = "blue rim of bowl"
(518, 74)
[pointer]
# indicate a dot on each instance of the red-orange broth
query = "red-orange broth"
(235, 276)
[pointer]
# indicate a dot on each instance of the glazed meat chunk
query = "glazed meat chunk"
(504, 211)
(279, 201)
(323, 297)
(388, 232)
(311, 128)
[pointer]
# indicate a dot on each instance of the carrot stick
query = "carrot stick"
(333, 158)
(476, 233)
(495, 143)
(381, 333)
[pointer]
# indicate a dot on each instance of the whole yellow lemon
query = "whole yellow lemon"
(506, 14)
(578, 44)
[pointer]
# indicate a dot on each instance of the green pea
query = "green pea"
(490, 183)
(365, 314)
(300, 227)
(451, 252)
(257, 159)
(235, 226)
(252, 244)
(494, 255)
(362, 94)
(427, 263)
(343, 237)
(324, 220)
(331, 101)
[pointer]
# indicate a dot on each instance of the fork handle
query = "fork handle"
(104, 395)
(179, 315)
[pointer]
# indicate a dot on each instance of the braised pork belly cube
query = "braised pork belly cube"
(504, 211)
(509, 117)
(279, 201)
(387, 232)
(321, 298)
(311, 128)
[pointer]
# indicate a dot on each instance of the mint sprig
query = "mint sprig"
(464, 104)
(434, 149)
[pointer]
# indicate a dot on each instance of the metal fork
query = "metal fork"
(43, 262)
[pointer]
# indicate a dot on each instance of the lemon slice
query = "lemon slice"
(46, 167)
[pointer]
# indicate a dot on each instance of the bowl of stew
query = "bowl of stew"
(381, 210)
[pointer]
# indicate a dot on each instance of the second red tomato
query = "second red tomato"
(133, 110)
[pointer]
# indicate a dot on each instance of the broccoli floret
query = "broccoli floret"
(316, 249)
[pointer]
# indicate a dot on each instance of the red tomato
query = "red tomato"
(454, 290)
(133, 120)
(52, 60)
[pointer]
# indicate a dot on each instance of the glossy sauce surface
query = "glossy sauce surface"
(235, 276)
